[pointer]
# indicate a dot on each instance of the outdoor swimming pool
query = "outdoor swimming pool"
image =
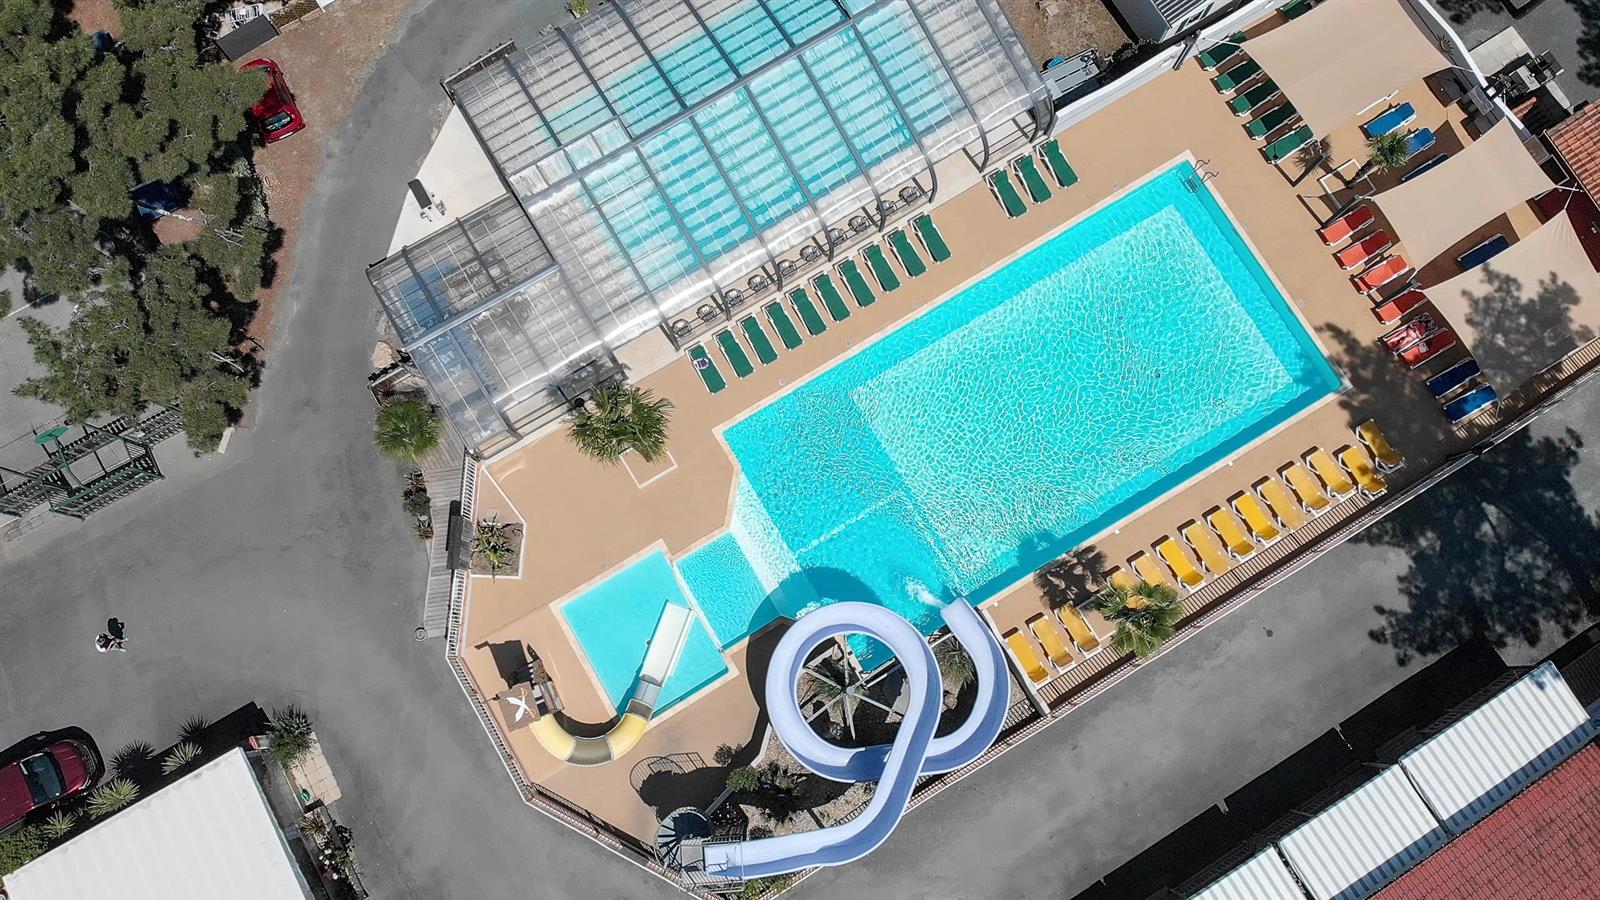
(1011, 422)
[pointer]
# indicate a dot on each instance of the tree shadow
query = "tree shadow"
(1589, 41)
(1519, 330)
(1460, 11)
(1073, 577)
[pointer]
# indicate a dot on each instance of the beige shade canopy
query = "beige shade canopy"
(1344, 56)
(1527, 308)
(1455, 198)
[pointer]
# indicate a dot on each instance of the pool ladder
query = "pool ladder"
(1206, 174)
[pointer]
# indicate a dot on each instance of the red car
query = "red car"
(275, 114)
(58, 771)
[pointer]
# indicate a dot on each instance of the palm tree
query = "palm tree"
(955, 665)
(1144, 615)
(407, 430)
(1386, 152)
(830, 682)
(619, 418)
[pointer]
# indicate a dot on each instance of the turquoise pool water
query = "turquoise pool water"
(614, 621)
(1010, 423)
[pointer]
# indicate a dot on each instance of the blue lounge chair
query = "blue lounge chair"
(1424, 167)
(1442, 384)
(1392, 120)
(1482, 253)
(1469, 404)
(1418, 141)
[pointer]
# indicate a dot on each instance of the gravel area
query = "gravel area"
(1071, 27)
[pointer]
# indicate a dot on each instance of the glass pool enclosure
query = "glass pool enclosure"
(666, 150)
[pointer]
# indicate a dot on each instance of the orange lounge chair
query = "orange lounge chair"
(1355, 462)
(1344, 226)
(1381, 274)
(1078, 627)
(1358, 253)
(1377, 443)
(1053, 642)
(1205, 546)
(1420, 328)
(1150, 570)
(1426, 349)
(1178, 561)
(1022, 651)
(1395, 308)
(1231, 532)
(1283, 504)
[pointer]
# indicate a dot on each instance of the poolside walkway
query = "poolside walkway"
(584, 520)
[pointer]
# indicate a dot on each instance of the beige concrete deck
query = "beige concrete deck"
(584, 520)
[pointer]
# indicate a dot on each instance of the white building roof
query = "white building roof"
(1478, 763)
(1356, 846)
(1261, 877)
(208, 835)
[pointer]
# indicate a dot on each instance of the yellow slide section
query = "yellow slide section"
(672, 633)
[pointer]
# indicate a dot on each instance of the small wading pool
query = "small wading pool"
(1008, 424)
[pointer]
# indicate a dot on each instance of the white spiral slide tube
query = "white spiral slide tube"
(896, 766)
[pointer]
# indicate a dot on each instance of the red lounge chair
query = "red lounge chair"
(1395, 308)
(1341, 228)
(1381, 274)
(1410, 333)
(1358, 253)
(1422, 351)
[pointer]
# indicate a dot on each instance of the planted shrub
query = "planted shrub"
(111, 796)
(181, 756)
(58, 824)
(291, 734)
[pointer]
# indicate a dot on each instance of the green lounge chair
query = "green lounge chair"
(783, 325)
(857, 283)
(1289, 143)
(1249, 100)
(708, 370)
(1269, 121)
(759, 342)
(1006, 193)
(1232, 79)
(1028, 171)
(735, 353)
(831, 298)
(881, 270)
(1296, 9)
(1222, 52)
(932, 240)
(907, 254)
(1057, 161)
(808, 311)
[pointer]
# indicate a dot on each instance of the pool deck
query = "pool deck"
(584, 520)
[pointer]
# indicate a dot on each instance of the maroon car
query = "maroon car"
(275, 114)
(58, 771)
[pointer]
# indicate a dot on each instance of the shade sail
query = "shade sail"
(1344, 56)
(1456, 197)
(1527, 308)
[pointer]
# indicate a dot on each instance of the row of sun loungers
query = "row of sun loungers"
(901, 244)
(1026, 170)
(1253, 520)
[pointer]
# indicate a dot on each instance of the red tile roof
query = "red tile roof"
(1542, 845)
(1578, 141)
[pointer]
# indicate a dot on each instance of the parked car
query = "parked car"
(275, 114)
(40, 779)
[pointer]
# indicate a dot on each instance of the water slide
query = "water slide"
(666, 646)
(896, 766)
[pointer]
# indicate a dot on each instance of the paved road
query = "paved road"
(1553, 25)
(284, 572)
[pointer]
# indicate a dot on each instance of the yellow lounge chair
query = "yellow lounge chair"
(1206, 547)
(1121, 578)
(1082, 634)
(1178, 561)
(1332, 474)
(1150, 570)
(1255, 517)
(1360, 468)
(1283, 504)
(1307, 488)
(1051, 639)
(1023, 652)
(1378, 444)
(1226, 526)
